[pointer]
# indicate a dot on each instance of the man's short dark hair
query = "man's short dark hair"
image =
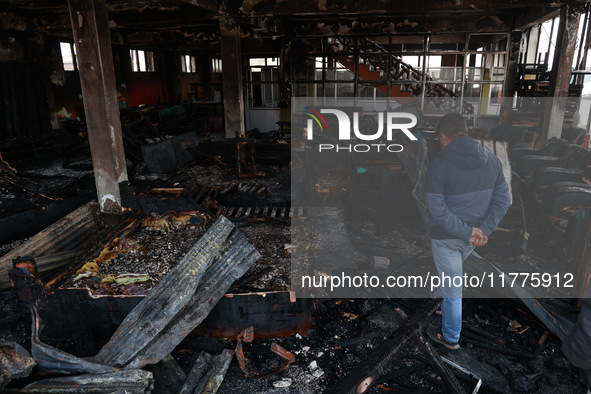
(453, 126)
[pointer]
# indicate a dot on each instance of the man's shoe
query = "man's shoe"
(435, 335)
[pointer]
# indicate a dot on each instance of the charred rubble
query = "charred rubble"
(153, 175)
(198, 271)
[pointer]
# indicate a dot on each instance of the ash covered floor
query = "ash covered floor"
(502, 342)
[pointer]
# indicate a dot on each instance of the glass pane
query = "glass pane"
(257, 62)
(150, 61)
(270, 94)
(134, 62)
(183, 65)
(67, 58)
(193, 64)
(319, 62)
(329, 90)
(414, 61)
(255, 74)
(344, 75)
(269, 75)
(474, 74)
(256, 96)
(188, 63)
(141, 57)
(272, 61)
(345, 89)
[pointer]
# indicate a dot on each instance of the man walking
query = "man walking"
(467, 196)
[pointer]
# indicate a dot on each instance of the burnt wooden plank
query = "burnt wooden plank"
(236, 257)
(133, 381)
(201, 367)
(200, 195)
(215, 376)
(380, 361)
(150, 318)
(239, 212)
(227, 189)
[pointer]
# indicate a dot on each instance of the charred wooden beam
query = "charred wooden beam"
(168, 375)
(129, 381)
(97, 76)
(213, 380)
(233, 84)
(270, 7)
(210, 5)
(202, 365)
(361, 378)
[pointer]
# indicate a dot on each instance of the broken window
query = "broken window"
(216, 65)
(69, 60)
(142, 61)
(188, 64)
(263, 82)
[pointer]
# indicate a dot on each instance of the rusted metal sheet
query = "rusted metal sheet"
(147, 338)
(67, 234)
(15, 362)
(134, 381)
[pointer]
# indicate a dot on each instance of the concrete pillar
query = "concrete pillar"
(97, 76)
(233, 84)
(561, 73)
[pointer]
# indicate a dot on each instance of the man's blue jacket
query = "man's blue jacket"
(465, 188)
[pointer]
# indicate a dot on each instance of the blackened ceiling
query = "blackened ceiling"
(193, 22)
